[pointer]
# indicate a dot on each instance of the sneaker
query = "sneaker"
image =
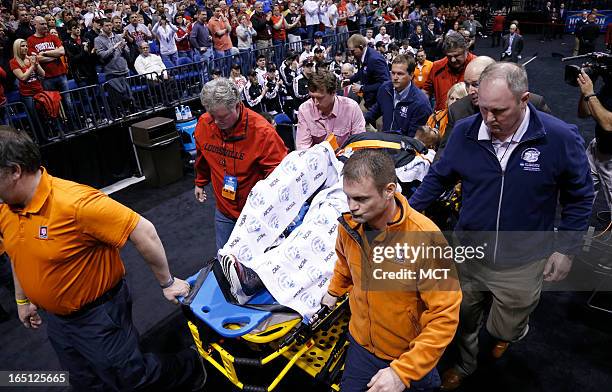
(240, 279)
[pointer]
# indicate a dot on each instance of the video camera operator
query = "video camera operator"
(599, 151)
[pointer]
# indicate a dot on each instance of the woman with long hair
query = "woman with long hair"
(28, 71)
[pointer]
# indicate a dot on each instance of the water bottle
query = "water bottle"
(178, 114)
(183, 113)
(188, 112)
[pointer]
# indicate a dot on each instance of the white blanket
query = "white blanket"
(296, 272)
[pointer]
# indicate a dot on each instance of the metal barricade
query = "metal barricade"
(182, 83)
(89, 109)
(132, 96)
(16, 115)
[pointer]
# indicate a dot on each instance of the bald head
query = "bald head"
(472, 74)
(40, 24)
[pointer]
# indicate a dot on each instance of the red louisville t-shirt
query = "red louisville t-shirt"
(30, 87)
(37, 45)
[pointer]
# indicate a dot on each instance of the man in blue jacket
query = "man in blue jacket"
(402, 104)
(373, 69)
(514, 164)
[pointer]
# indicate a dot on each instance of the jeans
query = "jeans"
(279, 51)
(59, 83)
(330, 40)
(205, 59)
(342, 38)
(264, 46)
(186, 54)
(361, 365)
(39, 131)
(310, 30)
(223, 228)
(246, 62)
(100, 350)
(223, 61)
(170, 58)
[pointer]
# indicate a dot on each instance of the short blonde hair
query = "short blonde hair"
(457, 89)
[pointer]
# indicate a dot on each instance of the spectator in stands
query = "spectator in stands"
(182, 37)
(237, 78)
(279, 33)
(28, 72)
(166, 35)
(328, 14)
(346, 88)
(325, 113)
(512, 45)
(311, 12)
(92, 13)
(431, 41)
(422, 69)
(147, 14)
(220, 28)
(200, 40)
(147, 62)
(318, 42)
(93, 32)
(319, 60)
(336, 65)
(254, 92)
(416, 38)
(250, 147)
(275, 92)
(293, 19)
(86, 300)
(138, 31)
(377, 73)
(382, 36)
(301, 82)
(307, 52)
(24, 28)
(245, 33)
(370, 38)
(112, 51)
(472, 26)
(403, 106)
(449, 70)
(118, 27)
(49, 49)
(81, 56)
(262, 23)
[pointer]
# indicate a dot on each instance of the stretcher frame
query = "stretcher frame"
(318, 348)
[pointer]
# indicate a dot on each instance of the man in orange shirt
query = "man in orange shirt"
(423, 67)
(220, 29)
(449, 70)
(63, 239)
(399, 325)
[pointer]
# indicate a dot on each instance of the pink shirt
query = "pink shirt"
(345, 119)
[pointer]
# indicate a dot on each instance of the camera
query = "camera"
(599, 64)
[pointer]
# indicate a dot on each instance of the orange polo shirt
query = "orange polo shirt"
(223, 42)
(64, 245)
(421, 74)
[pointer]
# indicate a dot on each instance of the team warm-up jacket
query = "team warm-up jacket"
(411, 327)
(549, 163)
(250, 153)
(403, 118)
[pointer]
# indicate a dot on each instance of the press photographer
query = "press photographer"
(599, 107)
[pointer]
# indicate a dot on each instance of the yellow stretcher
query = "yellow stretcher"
(318, 348)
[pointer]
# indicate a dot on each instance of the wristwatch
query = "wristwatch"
(587, 97)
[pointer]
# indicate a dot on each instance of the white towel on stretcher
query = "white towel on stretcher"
(297, 272)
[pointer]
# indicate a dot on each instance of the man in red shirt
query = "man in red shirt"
(48, 49)
(220, 29)
(497, 29)
(449, 70)
(235, 148)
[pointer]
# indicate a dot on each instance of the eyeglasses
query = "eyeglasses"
(472, 84)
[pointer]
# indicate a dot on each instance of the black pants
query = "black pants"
(100, 350)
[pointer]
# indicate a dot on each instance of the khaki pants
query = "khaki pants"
(576, 46)
(512, 295)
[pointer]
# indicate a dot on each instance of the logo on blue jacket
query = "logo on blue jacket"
(530, 156)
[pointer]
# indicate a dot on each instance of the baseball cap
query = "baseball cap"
(318, 34)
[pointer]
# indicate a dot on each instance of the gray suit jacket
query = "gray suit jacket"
(464, 108)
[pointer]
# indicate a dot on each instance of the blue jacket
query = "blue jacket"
(371, 75)
(406, 116)
(549, 164)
